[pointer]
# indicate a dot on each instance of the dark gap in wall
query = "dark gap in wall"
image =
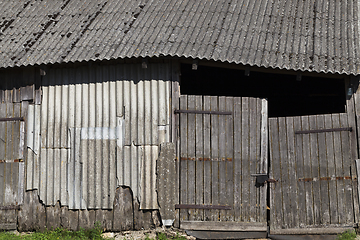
(286, 95)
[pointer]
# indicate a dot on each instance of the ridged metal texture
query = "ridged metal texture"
(98, 127)
(307, 35)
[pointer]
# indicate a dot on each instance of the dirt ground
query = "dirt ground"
(137, 235)
(142, 234)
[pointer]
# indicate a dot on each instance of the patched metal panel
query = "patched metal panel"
(98, 127)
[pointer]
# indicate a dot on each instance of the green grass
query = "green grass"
(348, 235)
(58, 233)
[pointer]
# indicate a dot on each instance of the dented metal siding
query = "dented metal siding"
(98, 128)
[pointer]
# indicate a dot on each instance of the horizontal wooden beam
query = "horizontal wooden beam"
(324, 130)
(224, 226)
(201, 206)
(12, 119)
(10, 207)
(203, 112)
(308, 231)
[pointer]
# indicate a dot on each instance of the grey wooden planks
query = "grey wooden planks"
(218, 155)
(317, 186)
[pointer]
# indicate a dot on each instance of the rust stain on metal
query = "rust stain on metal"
(326, 179)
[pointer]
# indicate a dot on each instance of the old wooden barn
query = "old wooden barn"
(236, 119)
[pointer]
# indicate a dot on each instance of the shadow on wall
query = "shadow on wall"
(125, 215)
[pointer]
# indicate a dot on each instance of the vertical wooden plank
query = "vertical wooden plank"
(245, 166)
(207, 157)
(214, 158)
(346, 163)
(323, 173)
(2, 132)
(350, 107)
(229, 151)
(314, 152)
(183, 156)
(9, 131)
(264, 148)
(16, 132)
(2, 183)
(330, 158)
(199, 156)
(307, 172)
(175, 103)
(284, 174)
(339, 169)
(276, 216)
(293, 180)
(299, 163)
(258, 159)
(222, 159)
(191, 156)
(253, 129)
(237, 159)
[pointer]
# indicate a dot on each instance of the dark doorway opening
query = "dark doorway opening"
(287, 95)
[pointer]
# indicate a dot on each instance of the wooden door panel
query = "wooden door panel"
(311, 159)
(220, 147)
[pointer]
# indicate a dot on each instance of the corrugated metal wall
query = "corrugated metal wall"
(98, 127)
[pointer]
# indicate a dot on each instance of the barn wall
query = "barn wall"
(98, 128)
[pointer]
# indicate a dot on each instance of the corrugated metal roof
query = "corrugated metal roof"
(307, 35)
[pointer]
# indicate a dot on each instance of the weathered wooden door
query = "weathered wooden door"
(221, 144)
(11, 163)
(313, 160)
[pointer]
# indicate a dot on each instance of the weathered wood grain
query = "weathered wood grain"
(237, 158)
(191, 154)
(207, 155)
(2, 131)
(346, 164)
(223, 226)
(293, 180)
(338, 169)
(314, 158)
(307, 173)
(330, 158)
(222, 157)
(229, 154)
(264, 148)
(284, 174)
(253, 158)
(245, 164)
(215, 214)
(199, 154)
(323, 172)
(299, 162)
(183, 154)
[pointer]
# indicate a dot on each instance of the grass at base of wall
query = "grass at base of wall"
(57, 234)
(348, 235)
